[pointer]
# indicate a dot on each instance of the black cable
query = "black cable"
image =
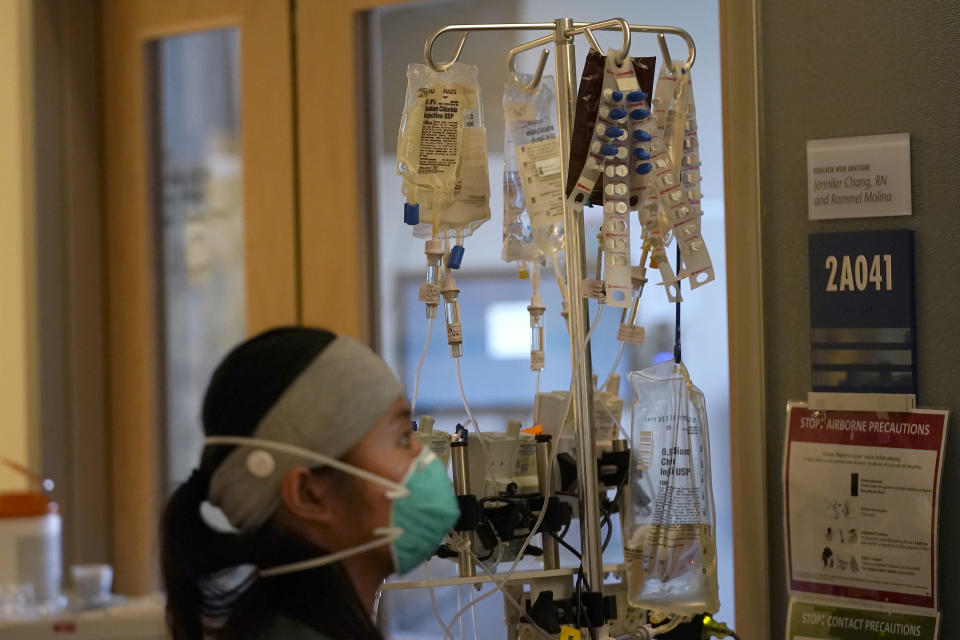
(606, 538)
(580, 611)
(566, 528)
(676, 340)
(608, 516)
(565, 545)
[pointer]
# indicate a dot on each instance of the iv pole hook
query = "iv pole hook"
(440, 67)
(605, 24)
(541, 65)
(667, 60)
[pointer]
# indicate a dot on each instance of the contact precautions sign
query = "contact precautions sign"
(813, 621)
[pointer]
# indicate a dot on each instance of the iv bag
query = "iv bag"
(532, 181)
(442, 151)
(669, 525)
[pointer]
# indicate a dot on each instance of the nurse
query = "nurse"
(310, 455)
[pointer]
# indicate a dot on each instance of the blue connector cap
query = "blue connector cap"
(644, 169)
(641, 136)
(641, 154)
(639, 114)
(411, 214)
(613, 132)
(461, 432)
(616, 96)
(608, 150)
(413, 423)
(456, 256)
(637, 96)
(618, 114)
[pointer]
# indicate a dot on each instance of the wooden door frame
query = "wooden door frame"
(333, 171)
(134, 344)
(739, 60)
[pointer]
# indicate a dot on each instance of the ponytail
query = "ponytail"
(190, 552)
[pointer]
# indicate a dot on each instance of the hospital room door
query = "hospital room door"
(200, 229)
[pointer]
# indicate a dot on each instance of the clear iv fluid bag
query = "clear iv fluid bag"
(532, 181)
(669, 522)
(442, 151)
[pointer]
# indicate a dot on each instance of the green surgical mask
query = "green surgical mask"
(425, 515)
(424, 506)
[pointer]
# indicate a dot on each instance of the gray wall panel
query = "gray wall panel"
(832, 69)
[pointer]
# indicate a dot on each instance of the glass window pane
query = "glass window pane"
(198, 195)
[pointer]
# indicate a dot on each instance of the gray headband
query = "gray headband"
(329, 407)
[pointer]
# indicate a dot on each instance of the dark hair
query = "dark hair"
(197, 560)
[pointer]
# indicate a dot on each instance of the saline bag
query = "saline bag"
(532, 182)
(442, 152)
(669, 525)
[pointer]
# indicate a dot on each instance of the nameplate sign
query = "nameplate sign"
(859, 177)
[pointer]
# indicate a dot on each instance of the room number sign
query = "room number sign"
(857, 273)
(862, 312)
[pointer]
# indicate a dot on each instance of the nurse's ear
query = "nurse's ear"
(312, 496)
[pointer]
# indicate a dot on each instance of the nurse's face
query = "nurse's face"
(386, 450)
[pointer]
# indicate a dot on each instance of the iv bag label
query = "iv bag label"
(539, 167)
(429, 293)
(440, 132)
(643, 449)
(454, 333)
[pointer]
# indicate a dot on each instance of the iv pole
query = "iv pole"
(564, 30)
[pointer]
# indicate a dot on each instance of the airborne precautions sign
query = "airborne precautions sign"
(861, 491)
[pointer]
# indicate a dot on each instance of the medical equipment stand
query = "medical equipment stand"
(564, 30)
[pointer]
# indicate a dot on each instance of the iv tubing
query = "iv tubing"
(543, 512)
(476, 623)
(416, 379)
(615, 421)
(596, 321)
(511, 600)
(433, 601)
(459, 603)
(561, 284)
(613, 369)
(476, 425)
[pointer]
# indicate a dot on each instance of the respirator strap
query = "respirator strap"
(389, 534)
(265, 445)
